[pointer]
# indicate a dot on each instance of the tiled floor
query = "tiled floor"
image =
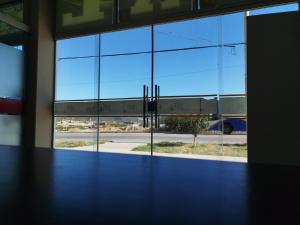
(73, 187)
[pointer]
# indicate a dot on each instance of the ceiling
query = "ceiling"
(8, 1)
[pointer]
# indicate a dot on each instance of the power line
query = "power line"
(180, 36)
(156, 77)
(226, 45)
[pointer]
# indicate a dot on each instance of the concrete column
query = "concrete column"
(38, 113)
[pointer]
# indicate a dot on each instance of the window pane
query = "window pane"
(233, 54)
(182, 77)
(77, 79)
(191, 72)
(232, 28)
(143, 9)
(76, 133)
(78, 47)
(127, 41)
(187, 136)
(199, 32)
(123, 135)
(124, 76)
(187, 34)
(233, 69)
(233, 97)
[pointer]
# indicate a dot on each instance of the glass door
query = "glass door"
(186, 88)
(125, 84)
(198, 97)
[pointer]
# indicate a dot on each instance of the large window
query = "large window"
(175, 89)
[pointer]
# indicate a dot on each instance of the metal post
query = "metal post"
(152, 83)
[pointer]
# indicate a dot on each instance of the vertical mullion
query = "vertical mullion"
(115, 12)
(220, 77)
(53, 138)
(152, 82)
(246, 70)
(195, 5)
(98, 94)
(245, 49)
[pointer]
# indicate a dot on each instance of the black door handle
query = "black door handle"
(157, 97)
(145, 104)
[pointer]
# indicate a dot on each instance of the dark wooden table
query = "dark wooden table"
(68, 187)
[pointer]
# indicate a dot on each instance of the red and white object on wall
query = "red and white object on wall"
(10, 106)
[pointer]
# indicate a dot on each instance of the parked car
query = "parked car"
(230, 125)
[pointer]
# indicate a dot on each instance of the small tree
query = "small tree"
(189, 125)
(196, 126)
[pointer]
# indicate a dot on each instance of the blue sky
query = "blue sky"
(193, 72)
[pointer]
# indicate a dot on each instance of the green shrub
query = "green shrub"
(169, 144)
(187, 125)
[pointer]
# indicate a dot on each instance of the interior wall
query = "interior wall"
(273, 59)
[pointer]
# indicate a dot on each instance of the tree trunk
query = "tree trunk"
(194, 140)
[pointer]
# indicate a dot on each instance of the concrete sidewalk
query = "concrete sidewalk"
(126, 148)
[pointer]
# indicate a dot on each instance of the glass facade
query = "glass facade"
(176, 89)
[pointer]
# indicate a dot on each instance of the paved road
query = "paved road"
(159, 137)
